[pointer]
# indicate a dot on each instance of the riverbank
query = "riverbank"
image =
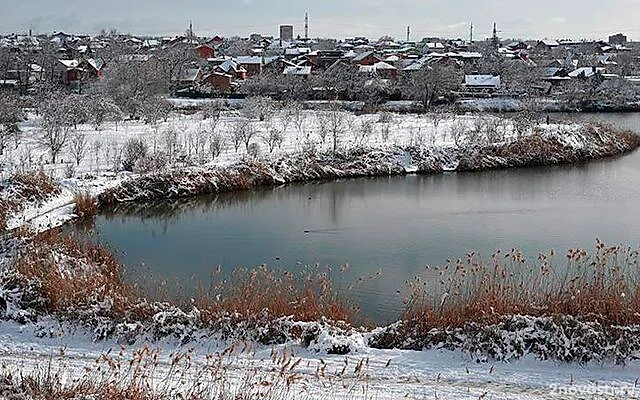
(71, 322)
(546, 146)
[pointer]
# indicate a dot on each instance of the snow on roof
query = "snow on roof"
(482, 81)
(435, 45)
(297, 70)
(231, 65)
(362, 56)
(392, 59)
(70, 63)
(189, 74)
(379, 66)
(96, 63)
(245, 60)
(470, 54)
(550, 43)
(383, 66)
(586, 72)
(8, 82)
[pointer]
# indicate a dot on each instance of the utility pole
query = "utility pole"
(471, 33)
(306, 25)
(408, 33)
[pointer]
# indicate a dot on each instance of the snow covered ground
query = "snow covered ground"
(370, 374)
(187, 141)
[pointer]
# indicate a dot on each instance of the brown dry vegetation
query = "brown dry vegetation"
(22, 189)
(73, 275)
(602, 286)
(306, 296)
(146, 374)
(85, 205)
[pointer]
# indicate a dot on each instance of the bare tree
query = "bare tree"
(298, 116)
(259, 107)
(133, 151)
(273, 138)
(171, 142)
(10, 114)
(54, 128)
(430, 84)
(78, 146)
(364, 131)
(334, 122)
(437, 116)
(216, 144)
(243, 132)
(103, 110)
(458, 131)
(385, 120)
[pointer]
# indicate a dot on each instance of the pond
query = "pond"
(395, 225)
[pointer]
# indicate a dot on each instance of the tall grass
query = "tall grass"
(308, 295)
(73, 274)
(601, 286)
(85, 205)
(147, 374)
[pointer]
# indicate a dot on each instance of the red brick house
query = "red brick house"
(367, 58)
(215, 41)
(252, 64)
(205, 51)
(218, 82)
(92, 67)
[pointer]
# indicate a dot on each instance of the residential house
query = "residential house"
(92, 67)
(380, 69)
(482, 83)
(302, 71)
(252, 64)
(217, 82)
(555, 75)
(231, 67)
(188, 78)
(516, 46)
(204, 52)
(366, 58)
(69, 72)
(546, 45)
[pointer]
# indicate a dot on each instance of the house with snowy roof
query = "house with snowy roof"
(482, 83)
(380, 69)
(252, 64)
(546, 45)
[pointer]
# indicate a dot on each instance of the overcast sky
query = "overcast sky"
(592, 19)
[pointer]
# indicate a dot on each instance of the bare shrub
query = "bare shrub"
(85, 205)
(385, 120)
(133, 151)
(273, 138)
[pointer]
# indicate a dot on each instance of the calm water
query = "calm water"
(396, 225)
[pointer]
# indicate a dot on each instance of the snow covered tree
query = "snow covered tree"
(133, 151)
(54, 127)
(273, 138)
(430, 84)
(335, 122)
(78, 146)
(10, 114)
(103, 110)
(259, 107)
